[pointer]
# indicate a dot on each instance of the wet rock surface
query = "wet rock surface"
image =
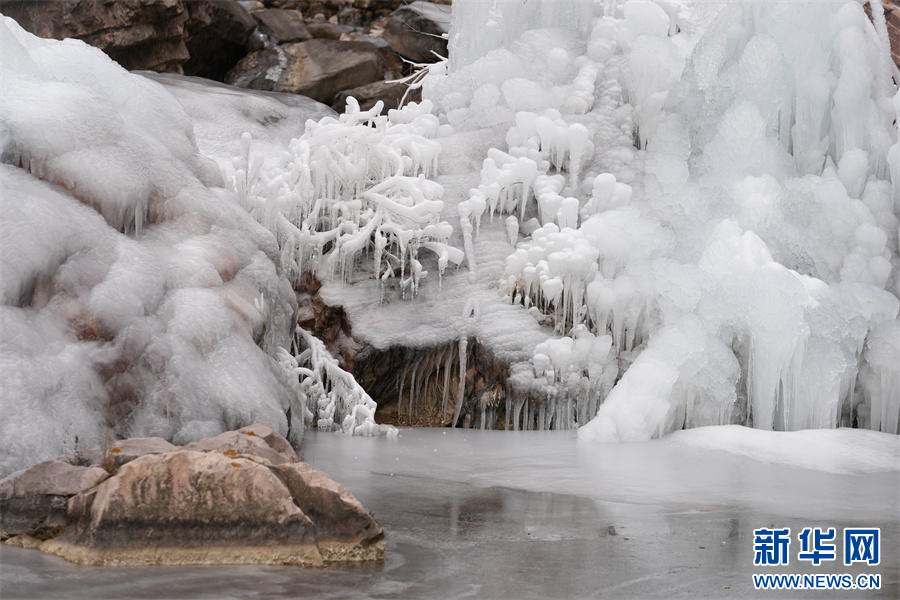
(242, 497)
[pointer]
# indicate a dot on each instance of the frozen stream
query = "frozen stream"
(538, 514)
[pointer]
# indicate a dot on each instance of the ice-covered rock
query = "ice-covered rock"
(138, 297)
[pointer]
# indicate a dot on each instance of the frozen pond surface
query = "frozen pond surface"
(539, 514)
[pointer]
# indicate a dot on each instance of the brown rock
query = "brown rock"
(217, 32)
(187, 498)
(339, 517)
(134, 33)
(368, 95)
(326, 30)
(283, 26)
(119, 453)
(33, 502)
(318, 69)
(231, 504)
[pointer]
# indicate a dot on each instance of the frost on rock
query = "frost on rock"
(708, 197)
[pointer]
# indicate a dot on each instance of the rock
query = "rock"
(346, 531)
(316, 68)
(197, 37)
(415, 31)
(134, 33)
(255, 442)
(368, 95)
(119, 453)
(239, 498)
(283, 26)
(328, 31)
(217, 33)
(33, 502)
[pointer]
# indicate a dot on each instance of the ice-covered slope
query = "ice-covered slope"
(703, 200)
(735, 257)
(139, 298)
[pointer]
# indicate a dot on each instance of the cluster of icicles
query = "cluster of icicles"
(353, 193)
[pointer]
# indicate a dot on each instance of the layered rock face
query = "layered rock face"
(350, 45)
(242, 497)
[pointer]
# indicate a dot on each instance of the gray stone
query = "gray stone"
(283, 26)
(317, 68)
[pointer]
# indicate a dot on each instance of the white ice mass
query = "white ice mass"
(659, 214)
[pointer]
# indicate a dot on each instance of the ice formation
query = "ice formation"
(715, 191)
(690, 208)
(351, 186)
(139, 298)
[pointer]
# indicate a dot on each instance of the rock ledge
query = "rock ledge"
(242, 497)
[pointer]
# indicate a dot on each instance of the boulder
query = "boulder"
(326, 30)
(119, 453)
(316, 68)
(416, 31)
(242, 497)
(197, 37)
(368, 95)
(134, 33)
(217, 33)
(257, 442)
(33, 502)
(282, 26)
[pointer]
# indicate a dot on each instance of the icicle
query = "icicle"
(460, 396)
